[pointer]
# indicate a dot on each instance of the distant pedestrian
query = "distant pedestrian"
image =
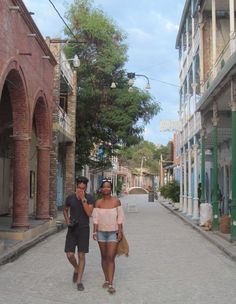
(220, 201)
(78, 208)
(108, 217)
(199, 192)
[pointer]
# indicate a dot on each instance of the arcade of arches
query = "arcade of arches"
(25, 129)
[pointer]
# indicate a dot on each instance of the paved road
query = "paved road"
(169, 263)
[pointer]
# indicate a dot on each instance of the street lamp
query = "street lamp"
(131, 78)
(75, 60)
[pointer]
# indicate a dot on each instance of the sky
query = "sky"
(151, 27)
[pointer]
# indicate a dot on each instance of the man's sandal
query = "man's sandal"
(75, 277)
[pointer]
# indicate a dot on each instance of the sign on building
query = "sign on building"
(170, 125)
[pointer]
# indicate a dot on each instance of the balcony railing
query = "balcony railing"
(196, 41)
(219, 64)
(66, 69)
(188, 57)
(223, 58)
(64, 121)
(191, 128)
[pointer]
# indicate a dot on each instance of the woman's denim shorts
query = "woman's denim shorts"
(107, 236)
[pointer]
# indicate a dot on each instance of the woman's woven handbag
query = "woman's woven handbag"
(123, 247)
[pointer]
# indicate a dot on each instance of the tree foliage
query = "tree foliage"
(171, 191)
(106, 118)
(164, 150)
(132, 157)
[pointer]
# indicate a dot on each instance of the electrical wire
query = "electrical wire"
(168, 83)
(63, 20)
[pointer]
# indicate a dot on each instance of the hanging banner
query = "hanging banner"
(170, 125)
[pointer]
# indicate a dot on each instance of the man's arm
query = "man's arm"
(66, 214)
(88, 208)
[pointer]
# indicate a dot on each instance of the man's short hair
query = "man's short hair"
(82, 179)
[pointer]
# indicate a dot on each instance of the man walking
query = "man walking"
(78, 208)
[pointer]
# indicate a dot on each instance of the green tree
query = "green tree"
(105, 118)
(164, 150)
(132, 157)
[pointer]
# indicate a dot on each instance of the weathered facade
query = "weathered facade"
(26, 90)
(207, 48)
(62, 160)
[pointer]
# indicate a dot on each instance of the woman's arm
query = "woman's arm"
(95, 220)
(120, 219)
(95, 229)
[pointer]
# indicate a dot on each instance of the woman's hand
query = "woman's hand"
(119, 235)
(95, 236)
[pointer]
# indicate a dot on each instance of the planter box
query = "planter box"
(225, 224)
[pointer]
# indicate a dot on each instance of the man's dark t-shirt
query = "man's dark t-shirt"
(77, 210)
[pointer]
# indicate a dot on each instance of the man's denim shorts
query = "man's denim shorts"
(107, 236)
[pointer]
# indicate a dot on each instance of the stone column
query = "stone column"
(194, 86)
(182, 49)
(21, 182)
(233, 204)
(181, 184)
(187, 36)
(201, 52)
(202, 166)
(195, 197)
(192, 25)
(185, 183)
(232, 26)
(215, 119)
(190, 203)
(42, 208)
(53, 175)
(213, 33)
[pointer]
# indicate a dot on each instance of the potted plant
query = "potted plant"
(171, 191)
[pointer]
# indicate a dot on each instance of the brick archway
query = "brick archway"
(14, 84)
(42, 124)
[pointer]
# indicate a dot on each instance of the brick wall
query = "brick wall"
(26, 68)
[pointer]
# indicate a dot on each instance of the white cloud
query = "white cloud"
(139, 34)
(167, 24)
(171, 26)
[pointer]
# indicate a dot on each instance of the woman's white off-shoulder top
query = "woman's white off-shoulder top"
(108, 219)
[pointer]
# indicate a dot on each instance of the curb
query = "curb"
(14, 252)
(219, 241)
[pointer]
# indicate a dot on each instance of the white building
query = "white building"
(207, 45)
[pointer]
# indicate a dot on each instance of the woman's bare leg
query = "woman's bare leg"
(111, 254)
(103, 250)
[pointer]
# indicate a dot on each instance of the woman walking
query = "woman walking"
(108, 217)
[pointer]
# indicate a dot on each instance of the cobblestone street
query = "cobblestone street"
(169, 262)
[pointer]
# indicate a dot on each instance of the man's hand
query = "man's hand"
(80, 194)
